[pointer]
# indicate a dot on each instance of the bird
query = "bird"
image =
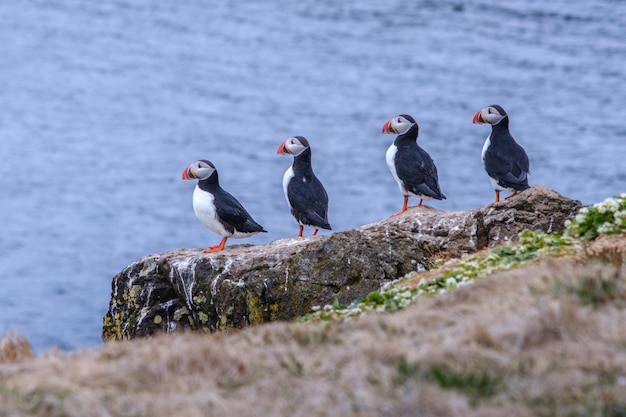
(505, 161)
(216, 208)
(410, 165)
(304, 192)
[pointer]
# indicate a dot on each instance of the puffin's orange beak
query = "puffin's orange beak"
(387, 128)
(187, 174)
(282, 149)
(478, 118)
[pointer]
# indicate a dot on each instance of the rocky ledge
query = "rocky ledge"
(187, 289)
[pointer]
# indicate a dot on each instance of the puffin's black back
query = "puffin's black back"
(505, 160)
(230, 212)
(414, 166)
(307, 197)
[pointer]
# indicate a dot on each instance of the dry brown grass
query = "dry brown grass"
(536, 341)
(14, 348)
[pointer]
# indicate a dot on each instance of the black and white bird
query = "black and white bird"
(411, 166)
(305, 193)
(217, 209)
(504, 159)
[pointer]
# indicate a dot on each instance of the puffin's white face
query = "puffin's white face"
(399, 125)
(199, 170)
(294, 146)
(490, 115)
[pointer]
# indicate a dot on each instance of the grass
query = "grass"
(514, 343)
(529, 336)
(14, 348)
(473, 384)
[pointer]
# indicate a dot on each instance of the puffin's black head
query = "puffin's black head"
(295, 145)
(200, 170)
(399, 125)
(493, 115)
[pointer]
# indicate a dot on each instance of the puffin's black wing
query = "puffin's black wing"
(232, 214)
(417, 170)
(309, 201)
(508, 164)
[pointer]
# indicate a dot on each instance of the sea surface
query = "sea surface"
(104, 103)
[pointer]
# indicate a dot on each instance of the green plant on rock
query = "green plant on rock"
(396, 296)
(531, 246)
(607, 217)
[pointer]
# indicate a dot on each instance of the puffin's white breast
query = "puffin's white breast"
(204, 207)
(286, 179)
(390, 156)
(485, 147)
(494, 182)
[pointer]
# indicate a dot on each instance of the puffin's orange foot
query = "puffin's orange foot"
(398, 213)
(213, 249)
(404, 204)
(216, 248)
(512, 195)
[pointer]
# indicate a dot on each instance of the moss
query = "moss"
(112, 327)
(256, 314)
(180, 312)
(224, 317)
(203, 317)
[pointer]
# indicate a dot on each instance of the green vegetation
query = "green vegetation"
(473, 384)
(479, 384)
(607, 217)
(596, 291)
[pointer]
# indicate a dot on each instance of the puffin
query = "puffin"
(411, 166)
(217, 209)
(305, 194)
(504, 159)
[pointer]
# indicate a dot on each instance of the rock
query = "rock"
(242, 285)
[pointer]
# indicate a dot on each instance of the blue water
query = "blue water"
(104, 103)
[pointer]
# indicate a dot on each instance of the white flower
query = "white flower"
(580, 217)
(605, 227)
(611, 204)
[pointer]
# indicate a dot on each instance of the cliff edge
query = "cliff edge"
(187, 289)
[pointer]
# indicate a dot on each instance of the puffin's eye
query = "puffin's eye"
(399, 120)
